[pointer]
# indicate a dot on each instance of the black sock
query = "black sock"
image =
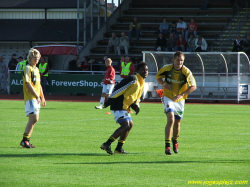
(175, 138)
(26, 137)
(119, 145)
(110, 140)
(167, 143)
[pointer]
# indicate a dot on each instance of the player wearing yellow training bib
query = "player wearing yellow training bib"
(177, 82)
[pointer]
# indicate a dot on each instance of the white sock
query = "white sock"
(102, 101)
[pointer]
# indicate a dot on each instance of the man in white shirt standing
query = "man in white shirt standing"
(113, 43)
(181, 27)
(124, 44)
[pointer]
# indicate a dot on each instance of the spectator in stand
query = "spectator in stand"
(124, 44)
(192, 28)
(72, 63)
(44, 72)
(191, 43)
(134, 63)
(200, 44)
(171, 42)
(134, 28)
(109, 82)
(94, 65)
(238, 44)
(20, 64)
(79, 66)
(113, 43)
(13, 62)
(181, 27)
(166, 61)
(173, 28)
(181, 44)
(122, 59)
(119, 63)
(126, 68)
(161, 43)
(25, 55)
(102, 64)
(3, 74)
(246, 47)
(164, 27)
(48, 61)
(85, 64)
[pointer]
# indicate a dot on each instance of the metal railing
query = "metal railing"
(91, 9)
(237, 16)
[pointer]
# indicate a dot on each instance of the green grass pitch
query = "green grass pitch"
(213, 147)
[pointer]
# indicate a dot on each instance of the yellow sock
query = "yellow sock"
(26, 136)
(175, 138)
(120, 144)
(167, 142)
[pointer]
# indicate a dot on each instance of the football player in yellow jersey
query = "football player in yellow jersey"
(33, 95)
(125, 95)
(177, 82)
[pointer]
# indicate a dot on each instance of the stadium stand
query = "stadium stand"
(214, 24)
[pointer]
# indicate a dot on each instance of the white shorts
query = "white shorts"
(108, 88)
(32, 107)
(121, 115)
(171, 106)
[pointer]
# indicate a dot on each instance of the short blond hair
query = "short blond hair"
(109, 60)
(33, 53)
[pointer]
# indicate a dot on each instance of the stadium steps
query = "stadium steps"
(211, 24)
(239, 25)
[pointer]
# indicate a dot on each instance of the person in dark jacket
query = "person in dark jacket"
(161, 43)
(238, 44)
(13, 62)
(72, 64)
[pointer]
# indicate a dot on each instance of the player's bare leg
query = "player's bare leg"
(29, 130)
(33, 119)
(176, 128)
(107, 96)
(122, 139)
(176, 132)
(125, 126)
(101, 101)
(169, 132)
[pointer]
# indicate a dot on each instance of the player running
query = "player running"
(175, 91)
(126, 95)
